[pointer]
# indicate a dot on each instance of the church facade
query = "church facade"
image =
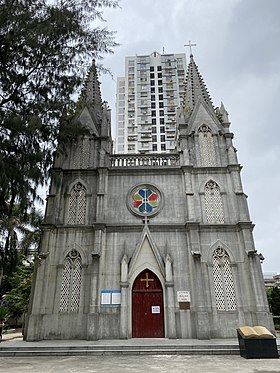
(148, 245)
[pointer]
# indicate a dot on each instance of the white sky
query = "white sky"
(238, 55)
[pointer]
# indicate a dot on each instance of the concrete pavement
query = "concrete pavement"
(135, 364)
(130, 363)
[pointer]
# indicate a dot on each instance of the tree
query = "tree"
(275, 301)
(17, 298)
(45, 50)
(22, 236)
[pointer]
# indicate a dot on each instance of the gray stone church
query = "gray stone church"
(148, 245)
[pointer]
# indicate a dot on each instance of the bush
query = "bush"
(4, 314)
(276, 320)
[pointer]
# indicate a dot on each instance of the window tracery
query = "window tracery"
(223, 281)
(82, 153)
(213, 203)
(206, 146)
(71, 283)
(77, 205)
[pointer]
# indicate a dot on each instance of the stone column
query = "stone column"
(94, 308)
(171, 322)
(202, 316)
(124, 298)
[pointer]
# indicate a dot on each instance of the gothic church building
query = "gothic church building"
(148, 245)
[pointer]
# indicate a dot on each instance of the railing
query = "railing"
(144, 160)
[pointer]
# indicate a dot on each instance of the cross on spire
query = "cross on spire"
(190, 45)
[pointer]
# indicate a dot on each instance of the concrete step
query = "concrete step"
(85, 352)
(49, 350)
(119, 347)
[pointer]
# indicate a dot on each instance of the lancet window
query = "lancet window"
(213, 203)
(223, 281)
(82, 153)
(206, 146)
(77, 204)
(71, 283)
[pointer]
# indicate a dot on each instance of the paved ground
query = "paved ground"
(133, 364)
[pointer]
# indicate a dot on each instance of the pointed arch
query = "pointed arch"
(71, 283)
(77, 204)
(213, 203)
(224, 289)
(206, 146)
(146, 255)
(147, 306)
(81, 157)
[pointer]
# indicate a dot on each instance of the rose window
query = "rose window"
(145, 200)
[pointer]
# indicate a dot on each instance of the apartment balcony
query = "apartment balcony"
(146, 138)
(168, 72)
(143, 104)
(170, 128)
(132, 138)
(170, 136)
(146, 129)
(143, 120)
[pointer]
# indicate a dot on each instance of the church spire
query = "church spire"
(91, 94)
(195, 88)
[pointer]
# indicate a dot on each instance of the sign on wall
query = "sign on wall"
(110, 298)
(183, 296)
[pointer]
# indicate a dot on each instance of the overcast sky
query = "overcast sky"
(238, 55)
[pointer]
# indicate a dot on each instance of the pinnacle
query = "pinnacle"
(91, 90)
(195, 87)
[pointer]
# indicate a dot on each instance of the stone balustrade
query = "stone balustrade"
(144, 160)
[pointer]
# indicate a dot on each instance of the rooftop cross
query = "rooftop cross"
(190, 45)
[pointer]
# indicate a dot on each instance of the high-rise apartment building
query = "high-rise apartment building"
(147, 98)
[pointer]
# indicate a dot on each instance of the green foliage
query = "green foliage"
(4, 314)
(276, 320)
(17, 298)
(39, 73)
(275, 301)
(273, 297)
(46, 48)
(22, 232)
(219, 116)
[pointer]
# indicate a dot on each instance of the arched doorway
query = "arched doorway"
(147, 306)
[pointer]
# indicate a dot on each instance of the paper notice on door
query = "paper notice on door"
(155, 309)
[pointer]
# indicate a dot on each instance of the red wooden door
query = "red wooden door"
(147, 306)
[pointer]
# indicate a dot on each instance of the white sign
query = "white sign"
(105, 297)
(155, 309)
(183, 296)
(116, 297)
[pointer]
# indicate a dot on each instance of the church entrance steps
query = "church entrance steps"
(121, 347)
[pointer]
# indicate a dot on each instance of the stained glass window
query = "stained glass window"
(213, 203)
(71, 283)
(145, 200)
(223, 281)
(206, 146)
